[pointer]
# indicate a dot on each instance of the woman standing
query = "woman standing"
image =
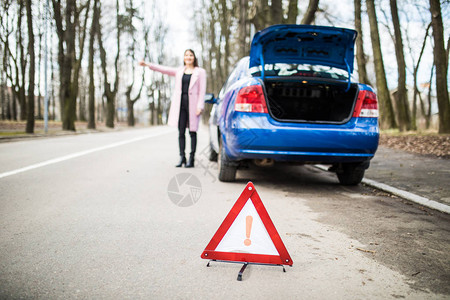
(187, 101)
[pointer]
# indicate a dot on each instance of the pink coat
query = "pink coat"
(197, 89)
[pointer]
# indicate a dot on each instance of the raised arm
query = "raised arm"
(159, 68)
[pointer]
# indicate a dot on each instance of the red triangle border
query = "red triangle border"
(248, 193)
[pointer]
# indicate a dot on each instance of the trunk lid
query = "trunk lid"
(304, 44)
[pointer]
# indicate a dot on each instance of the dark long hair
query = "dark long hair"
(195, 57)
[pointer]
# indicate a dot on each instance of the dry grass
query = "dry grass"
(426, 143)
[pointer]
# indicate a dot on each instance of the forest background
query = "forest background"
(92, 49)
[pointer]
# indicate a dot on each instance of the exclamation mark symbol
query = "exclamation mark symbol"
(248, 230)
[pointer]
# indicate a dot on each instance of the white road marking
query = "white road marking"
(82, 153)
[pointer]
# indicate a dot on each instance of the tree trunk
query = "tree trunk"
(3, 97)
(403, 112)
(52, 78)
(310, 14)
(23, 64)
(360, 55)
(110, 93)
(430, 88)
(82, 97)
(69, 64)
(159, 109)
(92, 33)
(152, 112)
(416, 89)
(243, 8)
(11, 61)
(3, 87)
(259, 14)
(13, 107)
(77, 63)
(30, 106)
(215, 78)
(8, 107)
(66, 57)
(440, 58)
(130, 111)
(225, 25)
(292, 12)
(110, 109)
(132, 101)
(387, 119)
(276, 12)
(39, 98)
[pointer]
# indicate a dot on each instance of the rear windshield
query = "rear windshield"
(303, 70)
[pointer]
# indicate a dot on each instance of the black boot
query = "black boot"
(190, 163)
(182, 162)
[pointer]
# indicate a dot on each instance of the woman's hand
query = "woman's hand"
(143, 63)
(199, 111)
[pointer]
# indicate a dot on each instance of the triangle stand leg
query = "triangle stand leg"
(239, 278)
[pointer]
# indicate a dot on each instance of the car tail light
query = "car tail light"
(251, 99)
(366, 105)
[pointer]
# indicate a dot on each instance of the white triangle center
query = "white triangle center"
(258, 239)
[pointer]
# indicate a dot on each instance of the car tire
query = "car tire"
(350, 174)
(227, 169)
(212, 154)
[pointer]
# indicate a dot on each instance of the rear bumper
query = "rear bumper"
(257, 136)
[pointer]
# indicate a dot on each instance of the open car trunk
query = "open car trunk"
(313, 102)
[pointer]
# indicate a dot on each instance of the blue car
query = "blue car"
(292, 100)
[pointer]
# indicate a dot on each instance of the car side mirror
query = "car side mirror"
(209, 98)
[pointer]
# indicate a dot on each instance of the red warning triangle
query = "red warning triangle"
(247, 234)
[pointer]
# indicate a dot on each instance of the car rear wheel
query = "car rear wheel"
(227, 169)
(351, 174)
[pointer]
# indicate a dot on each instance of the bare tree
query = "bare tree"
(160, 86)
(4, 19)
(110, 90)
(417, 93)
(31, 70)
(67, 20)
(292, 12)
(387, 119)
(430, 88)
(360, 55)
(39, 96)
(310, 15)
(52, 80)
(66, 57)
(92, 33)
(403, 112)
(3, 85)
(243, 25)
(131, 30)
(15, 63)
(259, 14)
(22, 64)
(441, 62)
(276, 15)
(81, 35)
(263, 14)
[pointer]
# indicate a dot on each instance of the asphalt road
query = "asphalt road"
(93, 217)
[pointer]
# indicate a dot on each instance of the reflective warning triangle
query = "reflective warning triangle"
(247, 234)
